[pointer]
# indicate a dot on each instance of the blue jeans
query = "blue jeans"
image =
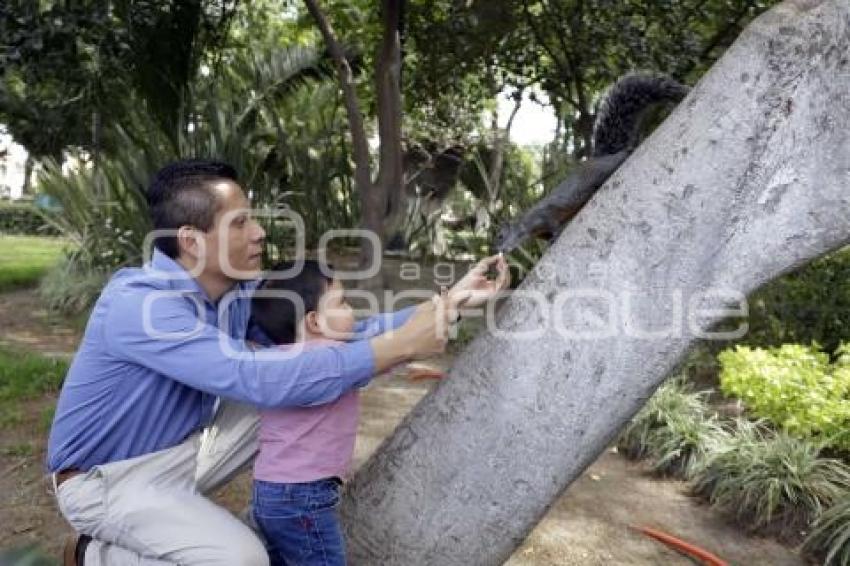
(300, 522)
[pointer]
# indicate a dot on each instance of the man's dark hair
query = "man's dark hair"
(278, 317)
(179, 195)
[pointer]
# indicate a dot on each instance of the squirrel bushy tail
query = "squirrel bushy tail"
(623, 107)
(618, 125)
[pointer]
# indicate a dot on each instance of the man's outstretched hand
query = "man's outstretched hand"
(474, 289)
(426, 331)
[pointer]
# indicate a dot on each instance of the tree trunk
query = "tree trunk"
(501, 138)
(746, 180)
(29, 164)
(96, 134)
(359, 142)
(388, 190)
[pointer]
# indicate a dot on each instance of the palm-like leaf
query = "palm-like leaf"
(275, 119)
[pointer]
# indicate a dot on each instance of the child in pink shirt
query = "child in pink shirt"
(304, 451)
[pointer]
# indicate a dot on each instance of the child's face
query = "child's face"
(335, 316)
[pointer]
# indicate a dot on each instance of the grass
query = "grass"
(769, 480)
(673, 430)
(679, 448)
(29, 555)
(25, 259)
(23, 449)
(672, 402)
(830, 538)
(26, 376)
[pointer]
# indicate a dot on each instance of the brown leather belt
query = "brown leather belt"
(66, 475)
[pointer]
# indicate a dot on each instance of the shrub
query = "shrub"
(672, 429)
(104, 210)
(830, 537)
(810, 304)
(70, 289)
(23, 219)
(104, 215)
(794, 387)
(679, 448)
(769, 480)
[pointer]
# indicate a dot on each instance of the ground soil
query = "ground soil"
(589, 525)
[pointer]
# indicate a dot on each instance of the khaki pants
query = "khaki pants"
(152, 510)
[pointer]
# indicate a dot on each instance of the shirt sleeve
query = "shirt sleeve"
(363, 329)
(380, 323)
(164, 332)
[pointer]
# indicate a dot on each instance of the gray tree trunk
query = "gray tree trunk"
(747, 179)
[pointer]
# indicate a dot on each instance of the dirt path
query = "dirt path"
(589, 525)
(25, 323)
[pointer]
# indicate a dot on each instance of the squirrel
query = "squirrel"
(616, 132)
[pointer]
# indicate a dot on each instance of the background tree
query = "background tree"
(379, 196)
(572, 49)
(68, 69)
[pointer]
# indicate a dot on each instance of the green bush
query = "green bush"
(71, 289)
(679, 448)
(768, 480)
(794, 387)
(812, 304)
(23, 219)
(673, 429)
(830, 537)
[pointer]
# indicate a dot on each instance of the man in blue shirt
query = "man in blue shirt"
(140, 434)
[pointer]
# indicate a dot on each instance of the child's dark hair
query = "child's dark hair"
(278, 317)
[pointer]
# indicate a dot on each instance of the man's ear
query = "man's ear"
(311, 322)
(189, 242)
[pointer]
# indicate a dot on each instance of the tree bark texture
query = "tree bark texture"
(746, 180)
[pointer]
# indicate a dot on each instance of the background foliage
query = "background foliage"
(795, 387)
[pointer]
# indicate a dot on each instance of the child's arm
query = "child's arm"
(380, 323)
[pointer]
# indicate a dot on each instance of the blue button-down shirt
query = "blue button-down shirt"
(157, 352)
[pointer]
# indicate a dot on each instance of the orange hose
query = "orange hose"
(684, 547)
(415, 372)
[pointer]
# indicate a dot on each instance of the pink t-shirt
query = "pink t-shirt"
(301, 444)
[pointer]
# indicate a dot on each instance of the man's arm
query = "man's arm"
(363, 329)
(171, 340)
(378, 324)
(167, 336)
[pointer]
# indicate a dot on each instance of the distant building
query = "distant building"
(13, 158)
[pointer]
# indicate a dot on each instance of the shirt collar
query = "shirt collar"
(177, 277)
(167, 269)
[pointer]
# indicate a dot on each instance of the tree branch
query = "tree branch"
(359, 142)
(388, 88)
(538, 35)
